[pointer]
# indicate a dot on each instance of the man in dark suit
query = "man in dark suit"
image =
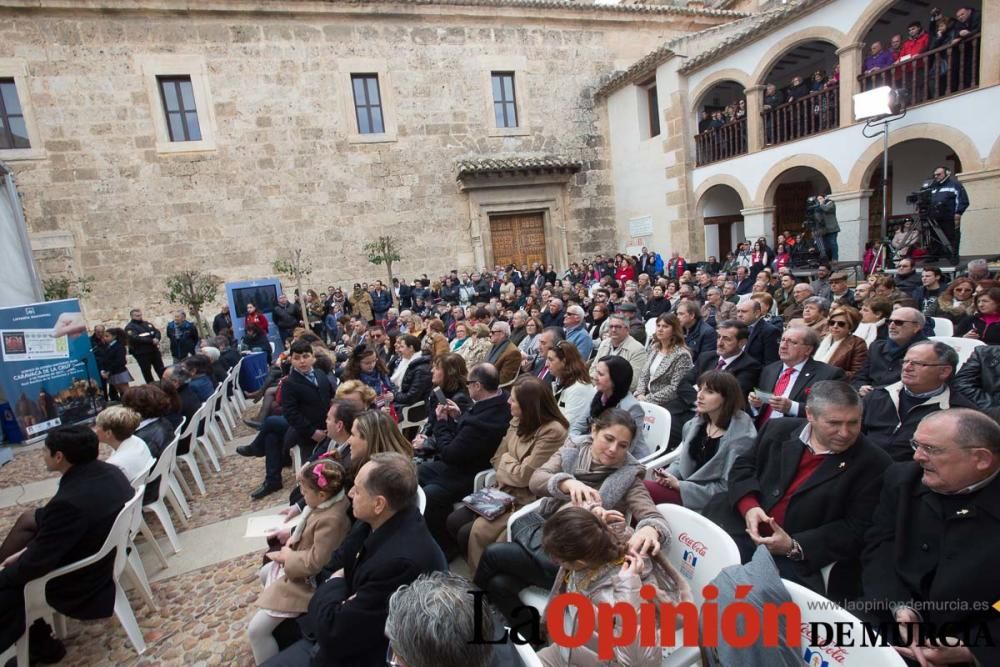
(698, 335)
(807, 489)
(763, 337)
(388, 547)
(729, 355)
(72, 526)
(305, 400)
(789, 381)
(744, 283)
(932, 534)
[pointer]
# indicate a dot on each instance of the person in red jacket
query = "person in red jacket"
(913, 76)
(625, 272)
(256, 317)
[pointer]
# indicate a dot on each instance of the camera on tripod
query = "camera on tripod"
(923, 197)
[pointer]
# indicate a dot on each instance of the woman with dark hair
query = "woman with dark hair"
(115, 368)
(434, 343)
(255, 340)
(153, 406)
(594, 562)
(874, 313)
(612, 381)
(174, 412)
(537, 429)
(572, 388)
(364, 365)
(719, 433)
(669, 361)
(760, 257)
(256, 318)
(985, 324)
(415, 385)
(450, 374)
(590, 470)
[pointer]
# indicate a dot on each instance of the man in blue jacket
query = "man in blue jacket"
(183, 336)
(381, 300)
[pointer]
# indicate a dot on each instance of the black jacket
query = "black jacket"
(304, 405)
(656, 307)
(221, 322)
(466, 445)
(112, 358)
(884, 426)
(829, 513)
(286, 317)
(744, 368)
(347, 615)
(979, 378)
(436, 428)
(763, 342)
(923, 546)
(700, 339)
(883, 368)
(416, 383)
(72, 526)
(143, 338)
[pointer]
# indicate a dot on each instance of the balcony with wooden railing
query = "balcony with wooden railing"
(931, 75)
(721, 143)
(806, 116)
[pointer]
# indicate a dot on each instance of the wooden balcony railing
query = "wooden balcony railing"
(722, 142)
(814, 113)
(937, 73)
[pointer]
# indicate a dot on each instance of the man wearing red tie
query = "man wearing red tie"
(786, 383)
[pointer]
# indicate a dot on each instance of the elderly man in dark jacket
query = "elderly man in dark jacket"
(463, 447)
(72, 526)
(807, 489)
(885, 357)
(935, 536)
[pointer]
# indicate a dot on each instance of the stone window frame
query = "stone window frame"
(366, 106)
(503, 101)
(155, 66)
(346, 67)
(646, 111)
(518, 67)
(17, 69)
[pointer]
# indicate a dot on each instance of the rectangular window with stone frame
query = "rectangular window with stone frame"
(654, 111)
(367, 103)
(13, 129)
(177, 95)
(504, 99)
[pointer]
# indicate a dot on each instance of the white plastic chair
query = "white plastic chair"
(656, 430)
(661, 461)
(134, 569)
(157, 477)
(421, 499)
(238, 399)
(179, 490)
(405, 422)
(964, 346)
(814, 608)
(527, 654)
(650, 328)
(484, 479)
(189, 459)
(36, 606)
(221, 410)
(943, 326)
(699, 551)
(213, 434)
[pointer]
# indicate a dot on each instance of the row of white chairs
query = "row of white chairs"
(223, 408)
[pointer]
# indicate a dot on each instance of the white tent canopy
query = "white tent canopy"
(21, 284)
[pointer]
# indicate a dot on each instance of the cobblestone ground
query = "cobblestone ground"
(201, 620)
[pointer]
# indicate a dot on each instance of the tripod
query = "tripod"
(926, 233)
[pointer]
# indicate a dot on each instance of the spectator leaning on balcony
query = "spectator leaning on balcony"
(878, 59)
(773, 98)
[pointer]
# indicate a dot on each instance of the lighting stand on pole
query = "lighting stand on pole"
(880, 107)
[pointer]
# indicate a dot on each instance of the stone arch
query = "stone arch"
(867, 20)
(730, 74)
(768, 184)
(955, 139)
(817, 33)
(720, 179)
(993, 161)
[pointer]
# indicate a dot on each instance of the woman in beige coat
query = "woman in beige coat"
(288, 575)
(361, 303)
(536, 431)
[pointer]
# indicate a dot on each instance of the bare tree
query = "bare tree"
(193, 289)
(384, 250)
(296, 268)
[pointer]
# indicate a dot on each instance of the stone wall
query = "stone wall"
(284, 167)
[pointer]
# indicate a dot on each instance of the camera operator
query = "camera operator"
(948, 203)
(823, 214)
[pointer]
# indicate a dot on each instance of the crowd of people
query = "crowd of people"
(815, 421)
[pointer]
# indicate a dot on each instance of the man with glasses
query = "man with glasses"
(788, 382)
(620, 344)
(807, 489)
(840, 292)
(885, 357)
(907, 279)
(503, 354)
(935, 536)
(892, 413)
(462, 445)
(576, 332)
(948, 202)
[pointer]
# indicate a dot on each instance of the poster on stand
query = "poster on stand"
(47, 369)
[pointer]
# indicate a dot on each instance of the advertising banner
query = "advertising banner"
(47, 370)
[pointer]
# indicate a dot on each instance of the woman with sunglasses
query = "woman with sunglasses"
(958, 301)
(839, 347)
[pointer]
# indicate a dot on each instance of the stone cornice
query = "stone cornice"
(517, 166)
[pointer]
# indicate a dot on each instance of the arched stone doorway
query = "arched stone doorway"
(790, 190)
(910, 164)
(721, 122)
(720, 208)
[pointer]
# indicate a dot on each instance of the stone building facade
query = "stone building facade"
(280, 162)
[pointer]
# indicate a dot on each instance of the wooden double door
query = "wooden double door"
(518, 239)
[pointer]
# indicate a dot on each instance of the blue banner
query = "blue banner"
(47, 370)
